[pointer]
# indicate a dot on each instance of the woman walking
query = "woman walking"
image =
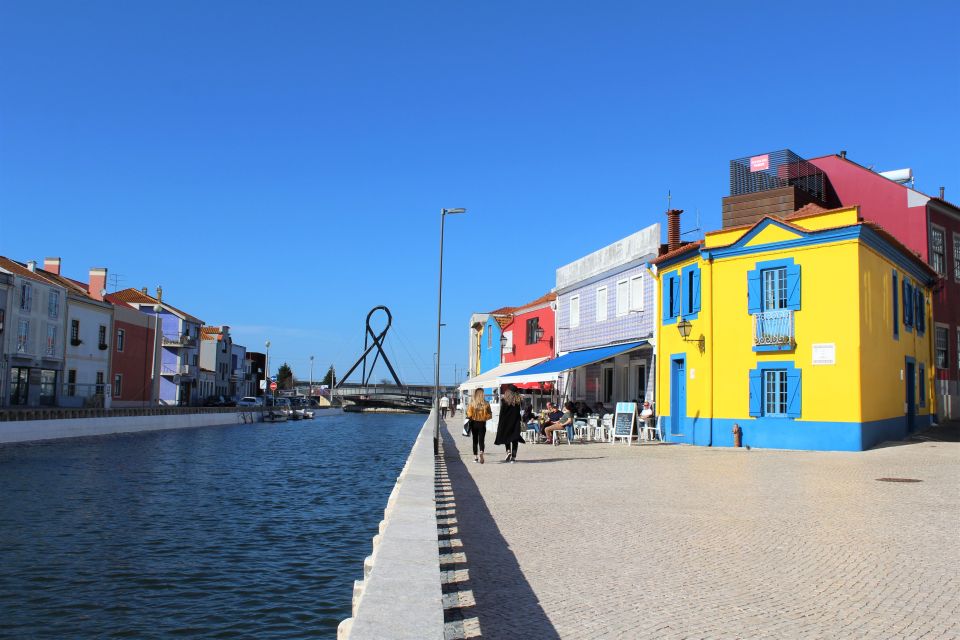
(509, 425)
(478, 412)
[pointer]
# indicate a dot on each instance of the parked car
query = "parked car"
(250, 401)
(218, 401)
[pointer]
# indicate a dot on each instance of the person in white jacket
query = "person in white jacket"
(444, 405)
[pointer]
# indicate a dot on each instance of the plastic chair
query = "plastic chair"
(606, 426)
(581, 428)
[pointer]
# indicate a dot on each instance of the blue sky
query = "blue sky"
(280, 167)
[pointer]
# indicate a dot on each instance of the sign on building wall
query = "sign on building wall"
(760, 163)
(825, 353)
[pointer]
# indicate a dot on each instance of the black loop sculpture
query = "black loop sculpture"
(377, 343)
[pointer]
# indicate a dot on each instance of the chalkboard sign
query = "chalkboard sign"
(625, 421)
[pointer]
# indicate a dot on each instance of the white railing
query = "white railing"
(773, 327)
(175, 340)
(177, 370)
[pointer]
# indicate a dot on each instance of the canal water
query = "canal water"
(221, 532)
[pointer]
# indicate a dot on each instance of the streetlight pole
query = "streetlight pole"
(310, 388)
(266, 373)
(436, 387)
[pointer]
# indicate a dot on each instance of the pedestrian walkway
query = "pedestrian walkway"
(669, 541)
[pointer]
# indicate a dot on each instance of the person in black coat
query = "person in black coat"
(509, 426)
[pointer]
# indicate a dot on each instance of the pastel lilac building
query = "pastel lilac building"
(604, 299)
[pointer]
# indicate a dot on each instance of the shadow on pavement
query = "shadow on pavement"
(506, 606)
(948, 431)
(521, 460)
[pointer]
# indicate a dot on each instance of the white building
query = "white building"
(32, 335)
(86, 380)
(216, 355)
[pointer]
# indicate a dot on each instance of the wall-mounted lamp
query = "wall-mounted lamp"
(538, 334)
(684, 327)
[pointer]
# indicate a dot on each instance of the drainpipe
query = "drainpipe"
(709, 264)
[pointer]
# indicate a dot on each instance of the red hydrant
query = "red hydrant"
(737, 435)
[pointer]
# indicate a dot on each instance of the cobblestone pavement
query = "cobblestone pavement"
(660, 541)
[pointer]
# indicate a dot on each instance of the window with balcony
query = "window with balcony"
(74, 332)
(937, 250)
(602, 304)
(775, 390)
(53, 305)
(102, 337)
(773, 296)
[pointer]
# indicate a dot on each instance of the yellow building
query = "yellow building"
(807, 333)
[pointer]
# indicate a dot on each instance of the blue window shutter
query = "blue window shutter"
(675, 286)
(754, 293)
(906, 303)
(922, 386)
(793, 287)
(756, 393)
(793, 393)
(696, 291)
(665, 299)
(896, 306)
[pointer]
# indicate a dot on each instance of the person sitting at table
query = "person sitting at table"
(561, 424)
(600, 410)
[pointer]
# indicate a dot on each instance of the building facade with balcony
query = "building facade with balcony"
(135, 359)
(33, 336)
(216, 355)
(807, 333)
(179, 346)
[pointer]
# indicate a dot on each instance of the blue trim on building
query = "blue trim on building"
(783, 433)
(774, 347)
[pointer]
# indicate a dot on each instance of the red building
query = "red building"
(528, 331)
(135, 359)
(930, 226)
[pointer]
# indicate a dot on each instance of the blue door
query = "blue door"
(911, 396)
(678, 396)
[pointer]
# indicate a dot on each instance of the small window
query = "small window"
(74, 332)
(533, 325)
(53, 305)
(121, 338)
(956, 257)
(623, 297)
(774, 289)
(26, 296)
(636, 293)
(575, 311)
(937, 250)
(602, 304)
(117, 385)
(775, 392)
(942, 347)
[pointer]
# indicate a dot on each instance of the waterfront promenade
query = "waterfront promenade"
(669, 541)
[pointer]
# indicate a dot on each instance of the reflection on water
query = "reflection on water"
(218, 532)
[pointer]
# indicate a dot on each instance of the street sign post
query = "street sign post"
(273, 386)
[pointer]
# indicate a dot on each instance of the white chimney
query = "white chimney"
(32, 265)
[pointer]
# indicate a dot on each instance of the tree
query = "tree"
(328, 379)
(285, 376)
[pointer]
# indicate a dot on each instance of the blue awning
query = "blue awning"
(550, 370)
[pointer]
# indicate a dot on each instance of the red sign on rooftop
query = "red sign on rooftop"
(760, 163)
